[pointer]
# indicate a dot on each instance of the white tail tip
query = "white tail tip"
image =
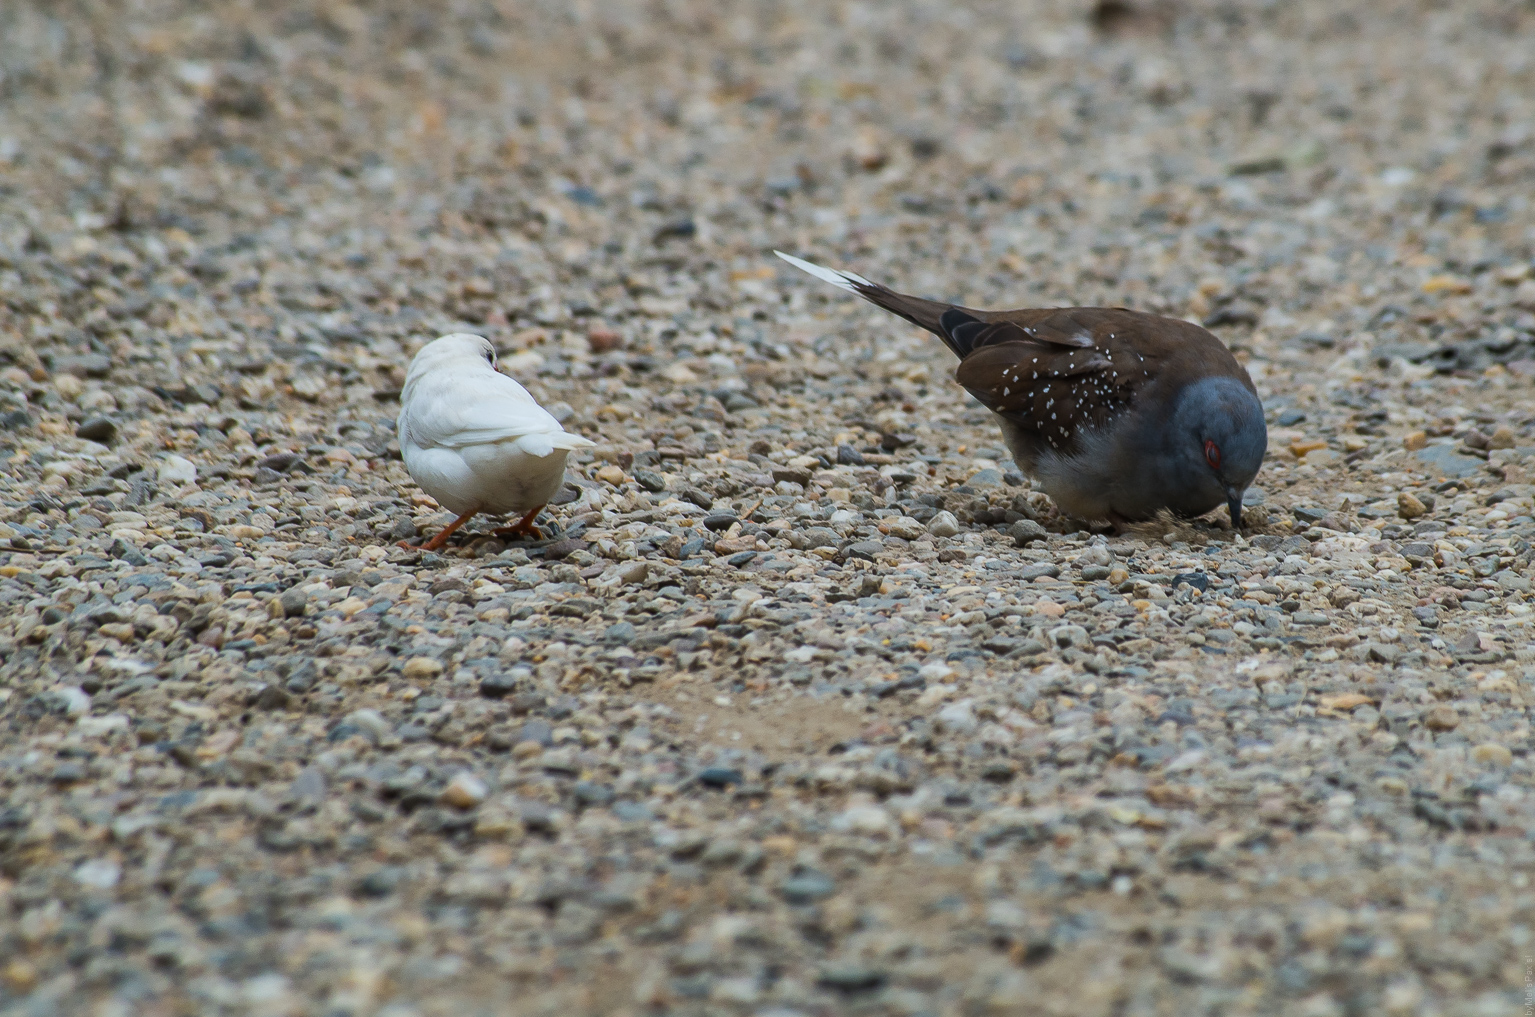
(838, 278)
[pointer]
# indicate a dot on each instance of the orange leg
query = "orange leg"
(442, 538)
(523, 527)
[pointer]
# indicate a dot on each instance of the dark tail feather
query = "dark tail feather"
(921, 312)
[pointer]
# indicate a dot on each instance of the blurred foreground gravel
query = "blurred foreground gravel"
(808, 706)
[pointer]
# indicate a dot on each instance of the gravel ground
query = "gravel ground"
(808, 705)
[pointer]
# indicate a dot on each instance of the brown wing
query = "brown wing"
(1056, 373)
(966, 334)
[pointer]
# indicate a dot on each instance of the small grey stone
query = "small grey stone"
(791, 475)
(309, 786)
(523, 703)
(943, 524)
(632, 812)
(1025, 532)
(279, 462)
(538, 732)
(1070, 635)
(820, 536)
(851, 978)
(176, 470)
(807, 887)
(1445, 461)
(87, 365)
(127, 552)
(1196, 580)
(957, 718)
(271, 697)
(381, 882)
(499, 685)
(369, 721)
(294, 602)
(563, 548)
(98, 429)
(591, 793)
(865, 549)
(985, 479)
(413, 732)
(619, 634)
(719, 777)
(302, 679)
(1512, 581)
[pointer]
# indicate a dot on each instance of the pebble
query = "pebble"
(958, 718)
(865, 820)
(98, 873)
(719, 777)
(177, 470)
(422, 668)
(1408, 506)
(1441, 718)
(943, 525)
(370, 721)
(807, 887)
(1026, 531)
(465, 791)
(98, 429)
(1493, 754)
(293, 603)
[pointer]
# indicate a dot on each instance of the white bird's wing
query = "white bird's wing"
(480, 409)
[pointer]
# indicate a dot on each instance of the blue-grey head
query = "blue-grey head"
(1217, 441)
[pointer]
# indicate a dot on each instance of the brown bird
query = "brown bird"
(1117, 413)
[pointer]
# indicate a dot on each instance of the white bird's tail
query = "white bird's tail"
(543, 443)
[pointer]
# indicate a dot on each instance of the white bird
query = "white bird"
(475, 440)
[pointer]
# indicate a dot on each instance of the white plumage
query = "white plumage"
(474, 439)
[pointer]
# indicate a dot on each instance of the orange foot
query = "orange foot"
(442, 538)
(523, 527)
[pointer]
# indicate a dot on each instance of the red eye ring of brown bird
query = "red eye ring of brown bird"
(1213, 455)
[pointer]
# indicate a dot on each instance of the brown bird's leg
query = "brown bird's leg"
(442, 538)
(1118, 522)
(523, 527)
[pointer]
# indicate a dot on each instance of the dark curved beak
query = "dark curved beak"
(1234, 505)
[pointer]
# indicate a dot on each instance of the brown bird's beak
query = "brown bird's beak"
(1234, 505)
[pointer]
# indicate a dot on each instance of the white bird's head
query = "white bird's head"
(459, 351)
